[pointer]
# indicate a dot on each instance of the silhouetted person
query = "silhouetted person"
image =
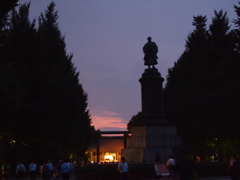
(20, 170)
(5, 169)
(65, 170)
(45, 172)
(58, 169)
(233, 167)
(123, 169)
(171, 164)
(33, 170)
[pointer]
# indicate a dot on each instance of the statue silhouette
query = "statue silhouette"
(150, 49)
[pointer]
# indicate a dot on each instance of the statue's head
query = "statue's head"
(149, 39)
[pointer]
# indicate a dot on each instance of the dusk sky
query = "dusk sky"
(106, 38)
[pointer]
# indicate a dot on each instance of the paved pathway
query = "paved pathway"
(217, 178)
(212, 178)
(164, 178)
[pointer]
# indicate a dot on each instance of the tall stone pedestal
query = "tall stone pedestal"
(154, 139)
(151, 143)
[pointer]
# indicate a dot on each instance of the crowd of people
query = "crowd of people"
(63, 170)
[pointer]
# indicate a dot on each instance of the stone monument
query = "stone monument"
(154, 139)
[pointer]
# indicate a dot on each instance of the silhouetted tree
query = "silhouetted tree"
(237, 25)
(19, 45)
(134, 121)
(6, 76)
(66, 101)
(5, 7)
(48, 107)
(201, 94)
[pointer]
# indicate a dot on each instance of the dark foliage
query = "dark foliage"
(5, 7)
(202, 92)
(237, 25)
(134, 121)
(44, 104)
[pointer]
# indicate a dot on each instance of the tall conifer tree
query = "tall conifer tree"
(200, 93)
(65, 100)
(48, 111)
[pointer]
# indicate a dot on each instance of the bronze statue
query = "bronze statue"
(150, 49)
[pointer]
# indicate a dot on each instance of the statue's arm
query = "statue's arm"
(156, 47)
(144, 48)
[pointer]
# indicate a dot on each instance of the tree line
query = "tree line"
(202, 92)
(43, 112)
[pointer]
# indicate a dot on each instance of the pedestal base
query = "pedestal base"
(151, 144)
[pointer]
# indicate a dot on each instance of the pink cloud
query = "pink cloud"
(106, 120)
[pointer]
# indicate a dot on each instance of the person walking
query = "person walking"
(65, 170)
(123, 169)
(58, 169)
(45, 172)
(20, 170)
(50, 167)
(5, 168)
(72, 166)
(32, 170)
(171, 166)
(233, 167)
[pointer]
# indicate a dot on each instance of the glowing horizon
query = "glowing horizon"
(107, 120)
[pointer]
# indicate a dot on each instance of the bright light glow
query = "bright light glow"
(108, 157)
(12, 141)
